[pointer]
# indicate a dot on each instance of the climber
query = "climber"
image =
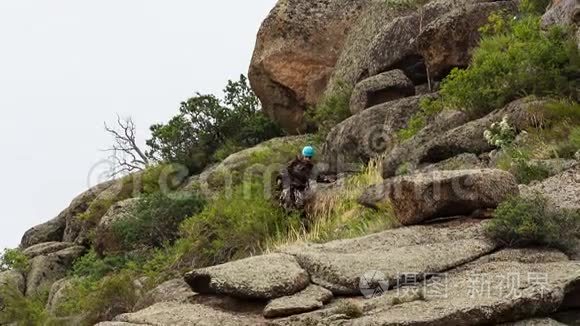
(293, 181)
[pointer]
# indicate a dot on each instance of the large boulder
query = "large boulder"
(382, 40)
(385, 87)
(465, 161)
(13, 279)
(385, 38)
(296, 50)
(449, 137)
(58, 294)
(171, 291)
(45, 248)
(343, 266)
(46, 270)
(261, 277)
(311, 298)
(106, 240)
(420, 197)
(52, 230)
(449, 41)
(562, 12)
(367, 134)
(79, 205)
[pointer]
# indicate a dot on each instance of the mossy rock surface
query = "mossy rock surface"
(261, 161)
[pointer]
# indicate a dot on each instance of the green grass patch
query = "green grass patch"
(331, 110)
(235, 226)
(336, 213)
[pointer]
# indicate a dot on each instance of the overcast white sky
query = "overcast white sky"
(67, 65)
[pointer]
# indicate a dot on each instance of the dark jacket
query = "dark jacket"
(298, 172)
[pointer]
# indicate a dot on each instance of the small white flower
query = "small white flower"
(487, 135)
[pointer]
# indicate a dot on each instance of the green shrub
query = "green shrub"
(562, 128)
(515, 58)
(208, 129)
(522, 222)
(93, 267)
(100, 300)
(235, 226)
(516, 160)
(14, 259)
(21, 310)
(562, 111)
(331, 110)
(526, 173)
(415, 124)
(156, 220)
(429, 107)
(575, 138)
(555, 134)
(163, 177)
(170, 261)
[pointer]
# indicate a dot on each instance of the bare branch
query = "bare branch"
(126, 155)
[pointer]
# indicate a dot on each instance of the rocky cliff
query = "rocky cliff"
(469, 242)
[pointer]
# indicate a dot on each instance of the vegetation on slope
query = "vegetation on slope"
(523, 222)
(515, 59)
(171, 236)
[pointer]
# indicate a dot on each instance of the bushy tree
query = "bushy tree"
(208, 129)
(13, 259)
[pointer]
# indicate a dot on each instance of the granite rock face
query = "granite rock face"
(420, 197)
(261, 277)
(382, 88)
(171, 291)
(368, 134)
(452, 133)
(46, 270)
(343, 265)
(449, 41)
(562, 190)
(296, 50)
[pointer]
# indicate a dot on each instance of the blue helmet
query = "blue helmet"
(308, 151)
